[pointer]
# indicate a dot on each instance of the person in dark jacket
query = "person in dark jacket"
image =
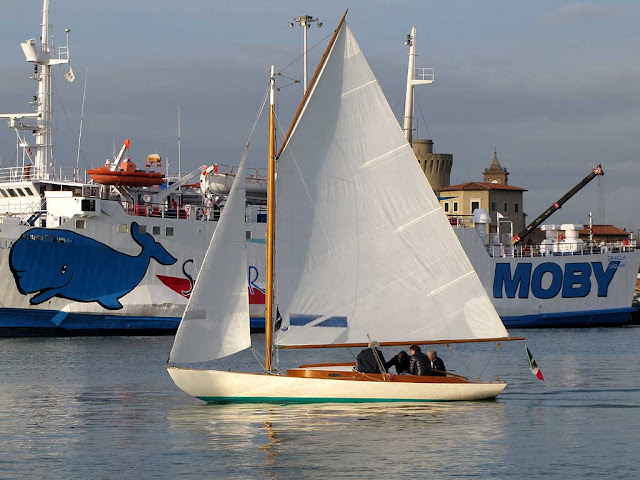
(419, 363)
(437, 365)
(400, 361)
(366, 360)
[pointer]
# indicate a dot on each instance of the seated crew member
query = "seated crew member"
(366, 361)
(419, 363)
(437, 365)
(400, 361)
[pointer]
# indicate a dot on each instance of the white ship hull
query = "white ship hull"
(156, 303)
(231, 387)
(572, 289)
(152, 305)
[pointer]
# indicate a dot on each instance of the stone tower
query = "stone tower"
(436, 166)
(496, 173)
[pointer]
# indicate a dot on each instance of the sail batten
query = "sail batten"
(215, 323)
(364, 247)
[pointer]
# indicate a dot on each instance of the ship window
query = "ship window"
(142, 229)
(455, 206)
(446, 206)
(28, 190)
(20, 192)
(4, 193)
(81, 224)
(123, 228)
(494, 206)
(12, 192)
(54, 239)
(24, 235)
(516, 207)
(506, 207)
(168, 231)
(32, 237)
(63, 240)
(39, 237)
(155, 230)
(88, 205)
(475, 206)
(249, 234)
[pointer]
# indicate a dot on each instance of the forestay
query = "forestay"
(216, 321)
(362, 245)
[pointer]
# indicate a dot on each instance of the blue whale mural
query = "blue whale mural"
(65, 264)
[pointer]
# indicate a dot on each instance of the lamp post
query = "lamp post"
(305, 22)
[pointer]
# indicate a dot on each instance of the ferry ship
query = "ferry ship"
(110, 250)
(117, 249)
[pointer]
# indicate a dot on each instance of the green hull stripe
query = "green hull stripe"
(227, 400)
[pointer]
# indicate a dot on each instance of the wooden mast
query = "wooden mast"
(270, 224)
(271, 191)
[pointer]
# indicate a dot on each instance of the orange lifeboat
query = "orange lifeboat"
(127, 175)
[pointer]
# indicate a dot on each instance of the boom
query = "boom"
(556, 205)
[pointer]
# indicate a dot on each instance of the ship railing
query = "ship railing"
(423, 74)
(565, 249)
(29, 173)
(179, 212)
(27, 212)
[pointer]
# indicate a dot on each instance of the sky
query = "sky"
(553, 85)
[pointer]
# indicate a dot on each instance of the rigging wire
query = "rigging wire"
(308, 50)
(426, 125)
(486, 365)
(461, 361)
(66, 116)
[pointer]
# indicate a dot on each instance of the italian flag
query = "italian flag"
(533, 366)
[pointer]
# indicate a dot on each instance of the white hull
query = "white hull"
(231, 387)
(529, 304)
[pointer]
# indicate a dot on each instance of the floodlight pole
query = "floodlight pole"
(305, 22)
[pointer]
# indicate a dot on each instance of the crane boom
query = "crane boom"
(556, 205)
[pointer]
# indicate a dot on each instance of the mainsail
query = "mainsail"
(216, 321)
(362, 245)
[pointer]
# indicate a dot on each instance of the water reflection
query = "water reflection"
(359, 437)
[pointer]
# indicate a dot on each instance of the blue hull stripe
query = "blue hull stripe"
(586, 318)
(30, 321)
(52, 322)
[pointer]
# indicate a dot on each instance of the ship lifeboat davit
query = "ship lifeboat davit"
(127, 175)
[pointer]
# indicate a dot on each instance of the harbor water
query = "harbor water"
(104, 407)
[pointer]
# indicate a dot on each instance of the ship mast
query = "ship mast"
(415, 76)
(270, 223)
(43, 57)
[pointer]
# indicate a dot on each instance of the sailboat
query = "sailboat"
(359, 251)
